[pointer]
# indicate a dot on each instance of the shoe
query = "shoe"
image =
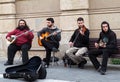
(102, 72)
(46, 66)
(82, 64)
(79, 66)
(8, 63)
(99, 69)
(54, 49)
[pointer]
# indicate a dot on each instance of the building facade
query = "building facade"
(65, 13)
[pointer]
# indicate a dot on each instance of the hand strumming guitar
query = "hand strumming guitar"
(9, 39)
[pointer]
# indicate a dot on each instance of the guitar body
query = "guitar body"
(43, 36)
(13, 38)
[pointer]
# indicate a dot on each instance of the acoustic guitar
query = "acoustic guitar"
(14, 37)
(45, 36)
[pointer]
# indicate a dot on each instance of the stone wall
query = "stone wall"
(65, 13)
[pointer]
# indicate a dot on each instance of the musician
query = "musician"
(22, 42)
(52, 42)
(79, 43)
(105, 46)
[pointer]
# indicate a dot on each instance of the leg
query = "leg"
(93, 57)
(79, 53)
(49, 45)
(12, 49)
(25, 48)
(48, 56)
(70, 54)
(105, 55)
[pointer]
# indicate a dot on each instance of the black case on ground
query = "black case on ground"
(30, 71)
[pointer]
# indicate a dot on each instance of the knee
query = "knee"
(10, 47)
(24, 49)
(67, 52)
(43, 41)
(89, 53)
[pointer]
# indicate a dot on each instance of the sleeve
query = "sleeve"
(112, 41)
(58, 37)
(73, 36)
(40, 32)
(30, 36)
(86, 36)
(11, 33)
(99, 37)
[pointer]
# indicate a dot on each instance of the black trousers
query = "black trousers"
(48, 47)
(106, 53)
(12, 49)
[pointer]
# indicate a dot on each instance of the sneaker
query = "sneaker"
(102, 72)
(46, 66)
(99, 69)
(8, 63)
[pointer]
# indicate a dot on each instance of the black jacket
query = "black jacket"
(80, 40)
(109, 38)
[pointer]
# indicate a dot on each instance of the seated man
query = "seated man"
(79, 43)
(51, 40)
(105, 46)
(22, 42)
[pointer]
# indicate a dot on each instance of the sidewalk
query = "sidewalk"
(73, 74)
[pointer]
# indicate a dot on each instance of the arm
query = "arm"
(30, 36)
(40, 32)
(112, 41)
(57, 37)
(85, 37)
(97, 42)
(73, 36)
(11, 33)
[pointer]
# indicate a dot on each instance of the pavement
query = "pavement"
(59, 73)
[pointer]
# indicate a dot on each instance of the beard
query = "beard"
(21, 27)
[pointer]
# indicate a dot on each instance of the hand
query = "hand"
(54, 33)
(26, 33)
(8, 38)
(71, 44)
(96, 45)
(103, 45)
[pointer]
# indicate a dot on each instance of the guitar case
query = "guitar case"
(30, 71)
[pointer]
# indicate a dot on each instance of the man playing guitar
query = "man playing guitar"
(50, 42)
(23, 42)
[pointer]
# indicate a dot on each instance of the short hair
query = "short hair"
(50, 19)
(80, 19)
(104, 22)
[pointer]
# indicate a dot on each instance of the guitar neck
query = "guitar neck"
(58, 31)
(23, 33)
